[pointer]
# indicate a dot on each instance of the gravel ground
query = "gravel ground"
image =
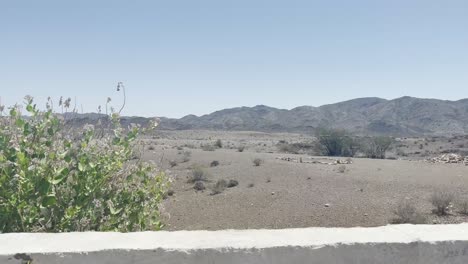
(282, 194)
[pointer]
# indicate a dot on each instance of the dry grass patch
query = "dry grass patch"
(463, 206)
(208, 147)
(441, 200)
(186, 156)
(197, 175)
(219, 187)
(342, 169)
(406, 213)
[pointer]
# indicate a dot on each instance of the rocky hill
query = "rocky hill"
(404, 116)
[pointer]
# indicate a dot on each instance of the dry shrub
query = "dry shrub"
(342, 169)
(198, 174)
(441, 201)
(172, 163)
(219, 187)
(208, 147)
(257, 162)
(186, 156)
(295, 148)
(406, 213)
(199, 186)
(463, 206)
(232, 183)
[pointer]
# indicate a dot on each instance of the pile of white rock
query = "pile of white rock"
(450, 158)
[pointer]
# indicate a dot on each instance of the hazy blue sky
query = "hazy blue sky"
(182, 57)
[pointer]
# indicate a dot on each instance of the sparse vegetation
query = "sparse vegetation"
(214, 163)
(232, 183)
(406, 213)
(342, 169)
(376, 147)
(335, 142)
(199, 186)
(186, 155)
(463, 206)
(441, 200)
(295, 148)
(401, 153)
(208, 147)
(198, 174)
(172, 163)
(219, 187)
(190, 146)
(219, 143)
(257, 162)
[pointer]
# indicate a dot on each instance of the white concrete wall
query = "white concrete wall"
(390, 244)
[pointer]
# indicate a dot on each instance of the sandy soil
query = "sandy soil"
(282, 194)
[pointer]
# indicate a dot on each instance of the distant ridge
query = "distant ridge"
(403, 116)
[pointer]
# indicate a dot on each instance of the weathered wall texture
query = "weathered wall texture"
(390, 244)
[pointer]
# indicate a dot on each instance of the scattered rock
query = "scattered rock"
(450, 158)
(331, 161)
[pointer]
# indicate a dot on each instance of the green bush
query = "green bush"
(334, 142)
(55, 181)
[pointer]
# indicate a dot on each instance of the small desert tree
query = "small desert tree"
(376, 147)
(52, 181)
(335, 142)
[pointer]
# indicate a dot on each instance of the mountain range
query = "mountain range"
(403, 116)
